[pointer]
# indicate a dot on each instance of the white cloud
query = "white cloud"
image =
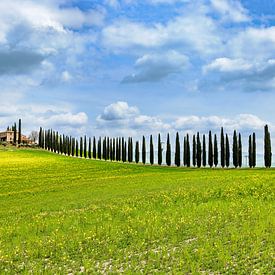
(118, 111)
(231, 10)
(240, 122)
(228, 65)
(154, 67)
(193, 29)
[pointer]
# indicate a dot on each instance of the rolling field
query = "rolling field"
(67, 215)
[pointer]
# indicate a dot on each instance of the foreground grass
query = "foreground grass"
(68, 215)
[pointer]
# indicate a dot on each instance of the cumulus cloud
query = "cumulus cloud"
(19, 62)
(136, 123)
(118, 111)
(154, 67)
(194, 30)
(231, 10)
(242, 75)
(122, 118)
(240, 122)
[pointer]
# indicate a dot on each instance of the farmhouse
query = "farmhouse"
(7, 136)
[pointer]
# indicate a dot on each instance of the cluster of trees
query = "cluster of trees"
(16, 139)
(205, 152)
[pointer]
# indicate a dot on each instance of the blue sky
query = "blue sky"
(130, 67)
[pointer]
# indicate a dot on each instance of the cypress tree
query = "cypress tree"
(250, 154)
(60, 145)
(81, 147)
(125, 151)
(203, 151)
(151, 150)
(90, 149)
(143, 150)
(104, 148)
(198, 150)
(194, 151)
(240, 148)
(216, 153)
(235, 150)
(222, 149)
(177, 150)
(254, 150)
(85, 147)
(159, 151)
(129, 149)
(20, 132)
(94, 148)
(137, 152)
(40, 137)
(227, 151)
(76, 148)
(14, 133)
(53, 141)
(107, 148)
(122, 149)
(56, 142)
(73, 147)
(117, 149)
(267, 148)
(99, 148)
(168, 151)
(188, 154)
(210, 150)
(184, 151)
(114, 149)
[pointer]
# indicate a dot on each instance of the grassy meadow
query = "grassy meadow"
(68, 215)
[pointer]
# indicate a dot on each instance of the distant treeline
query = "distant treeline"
(205, 149)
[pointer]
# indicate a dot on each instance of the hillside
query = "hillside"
(62, 214)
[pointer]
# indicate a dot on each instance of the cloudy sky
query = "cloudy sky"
(135, 67)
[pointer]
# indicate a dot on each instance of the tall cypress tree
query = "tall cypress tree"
(216, 151)
(85, 147)
(122, 149)
(143, 150)
(14, 133)
(203, 151)
(81, 147)
(40, 137)
(76, 148)
(137, 152)
(240, 148)
(235, 150)
(151, 150)
(210, 150)
(108, 148)
(198, 150)
(94, 148)
(184, 151)
(194, 151)
(19, 132)
(90, 148)
(159, 150)
(104, 148)
(227, 151)
(222, 149)
(168, 151)
(250, 152)
(188, 154)
(99, 148)
(254, 150)
(177, 150)
(267, 148)
(129, 149)
(73, 147)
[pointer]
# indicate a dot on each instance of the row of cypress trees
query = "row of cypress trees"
(119, 149)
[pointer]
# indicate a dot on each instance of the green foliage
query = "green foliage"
(143, 150)
(159, 150)
(177, 150)
(151, 150)
(62, 215)
(223, 154)
(210, 150)
(198, 150)
(216, 152)
(168, 151)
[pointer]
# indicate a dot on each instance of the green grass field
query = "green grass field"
(67, 215)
